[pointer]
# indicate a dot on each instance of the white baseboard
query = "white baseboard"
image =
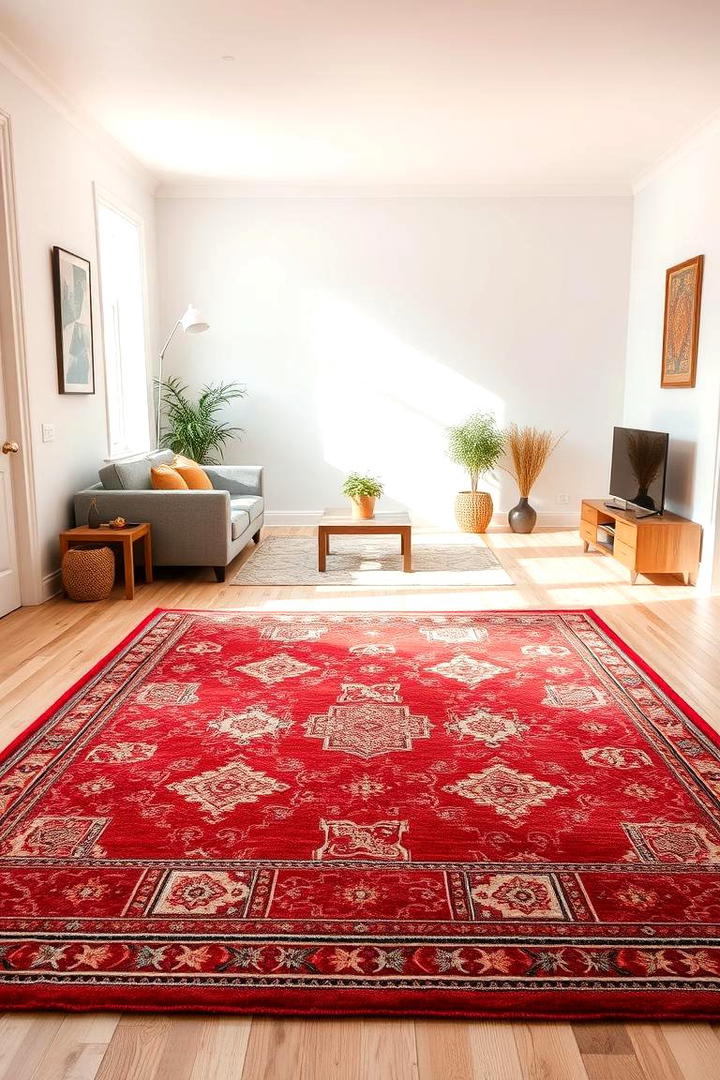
(51, 585)
(292, 517)
(555, 519)
(550, 519)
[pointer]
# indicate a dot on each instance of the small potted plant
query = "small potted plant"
(362, 491)
(476, 445)
(528, 449)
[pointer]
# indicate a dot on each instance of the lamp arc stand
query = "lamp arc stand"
(192, 322)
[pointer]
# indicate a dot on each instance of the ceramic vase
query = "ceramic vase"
(93, 515)
(522, 517)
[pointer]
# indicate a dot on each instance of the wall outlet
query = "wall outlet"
(48, 433)
(563, 498)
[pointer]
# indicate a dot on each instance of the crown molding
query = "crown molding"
(695, 138)
(26, 70)
(193, 188)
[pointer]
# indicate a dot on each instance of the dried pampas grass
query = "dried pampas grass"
(529, 448)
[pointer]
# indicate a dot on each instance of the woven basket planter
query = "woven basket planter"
(88, 573)
(473, 511)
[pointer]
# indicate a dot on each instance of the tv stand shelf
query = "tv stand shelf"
(661, 544)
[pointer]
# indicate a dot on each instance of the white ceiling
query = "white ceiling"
(406, 95)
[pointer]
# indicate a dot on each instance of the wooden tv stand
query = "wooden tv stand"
(662, 544)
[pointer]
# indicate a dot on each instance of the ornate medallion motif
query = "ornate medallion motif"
(566, 696)
(674, 842)
(616, 757)
(350, 840)
(199, 648)
(454, 635)
(249, 724)
(276, 669)
(385, 692)
(379, 649)
(544, 650)
(121, 753)
(510, 793)
(515, 896)
(367, 729)
(365, 787)
(220, 790)
(203, 892)
(55, 837)
(467, 670)
(288, 632)
(158, 695)
(485, 726)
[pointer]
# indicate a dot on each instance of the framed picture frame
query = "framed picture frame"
(683, 290)
(72, 291)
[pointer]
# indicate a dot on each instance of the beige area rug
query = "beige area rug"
(439, 559)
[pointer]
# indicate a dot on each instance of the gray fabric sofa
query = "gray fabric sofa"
(189, 528)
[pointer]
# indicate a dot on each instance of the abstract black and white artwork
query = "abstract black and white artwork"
(73, 323)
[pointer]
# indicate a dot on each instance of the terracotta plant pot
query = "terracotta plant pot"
(363, 507)
(473, 511)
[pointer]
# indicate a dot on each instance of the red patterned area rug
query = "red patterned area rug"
(493, 814)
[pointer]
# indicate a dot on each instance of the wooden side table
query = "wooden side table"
(127, 537)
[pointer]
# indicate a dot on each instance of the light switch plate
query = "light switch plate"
(48, 432)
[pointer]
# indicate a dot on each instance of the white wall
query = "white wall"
(363, 327)
(677, 216)
(55, 167)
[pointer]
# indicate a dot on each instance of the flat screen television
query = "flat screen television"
(639, 465)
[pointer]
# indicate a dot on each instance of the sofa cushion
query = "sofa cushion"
(165, 478)
(240, 520)
(252, 504)
(133, 475)
(193, 474)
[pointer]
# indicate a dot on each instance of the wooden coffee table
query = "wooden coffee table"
(126, 537)
(340, 521)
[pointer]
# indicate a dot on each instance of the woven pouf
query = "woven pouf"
(88, 573)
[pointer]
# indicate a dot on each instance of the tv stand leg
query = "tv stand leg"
(633, 576)
(586, 546)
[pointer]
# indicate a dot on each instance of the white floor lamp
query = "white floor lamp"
(192, 322)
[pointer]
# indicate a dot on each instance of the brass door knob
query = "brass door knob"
(9, 447)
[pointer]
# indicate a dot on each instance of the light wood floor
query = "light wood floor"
(43, 650)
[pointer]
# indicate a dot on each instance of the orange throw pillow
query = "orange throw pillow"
(165, 478)
(193, 474)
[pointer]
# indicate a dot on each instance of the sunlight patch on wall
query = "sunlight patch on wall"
(384, 407)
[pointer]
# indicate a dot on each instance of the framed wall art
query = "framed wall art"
(73, 323)
(683, 287)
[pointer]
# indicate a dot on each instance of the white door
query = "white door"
(9, 580)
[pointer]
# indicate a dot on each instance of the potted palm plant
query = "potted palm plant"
(362, 491)
(528, 449)
(476, 445)
(192, 428)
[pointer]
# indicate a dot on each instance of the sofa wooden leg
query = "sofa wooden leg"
(256, 537)
(219, 573)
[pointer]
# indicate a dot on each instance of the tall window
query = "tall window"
(122, 281)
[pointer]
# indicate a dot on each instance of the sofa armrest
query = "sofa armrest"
(189, 528)
(237, 479)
